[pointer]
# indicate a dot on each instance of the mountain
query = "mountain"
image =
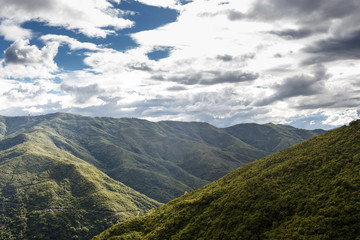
(161, 160)
(64, 176)
(47, 193)
(270, 137)
(307, 191)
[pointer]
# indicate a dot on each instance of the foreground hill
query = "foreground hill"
(46, 193)
(308, 191)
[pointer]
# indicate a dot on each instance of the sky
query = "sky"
(223, 62)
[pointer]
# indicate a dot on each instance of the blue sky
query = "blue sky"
(223, 62)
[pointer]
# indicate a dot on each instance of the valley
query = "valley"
(66, 176)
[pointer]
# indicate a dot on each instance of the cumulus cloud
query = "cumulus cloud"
(23, 60)
(94, 18)
(336, 118)
(21, 52)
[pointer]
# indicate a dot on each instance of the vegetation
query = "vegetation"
(47, 193)
(161, 160)
(62, 176)
(269, 137)
(308, 191)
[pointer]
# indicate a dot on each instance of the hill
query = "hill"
(270, 137)
(308, 191)
(64, 176)
(47, 193)
(161, 160)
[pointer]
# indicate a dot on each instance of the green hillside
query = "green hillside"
(64, 176)
(47, 193)
(269, 137)
(161, 160)
(308, 191)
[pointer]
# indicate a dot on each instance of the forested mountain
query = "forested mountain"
(270, 137)
(161, 160)
(307, 191)
(65, 176)
(47, 193)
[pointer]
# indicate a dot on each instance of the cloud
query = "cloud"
(93, 18)
(235, 15)
(82, 94)
(204, 105)
(210, 77)
(335, 48)
(176, 88)
(12, 31)
(333, 101)
(19, 97)
(225, 58)
(340, 93)
(25, 61)
(140, 66)
(299, 85)
(292, 33)
(71, 42)
(174, 4)
(306, 11)
(230, 61)
(21, 52)
(336, 118)
(25, 92)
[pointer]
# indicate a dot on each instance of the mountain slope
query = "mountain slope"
(269, 137)
(62, 176)
(308, 191)
(47, 193)
(161, 160)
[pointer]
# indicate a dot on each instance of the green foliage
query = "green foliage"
(47, 193)
(271, 138)
(52, 181)
(161, 160)
(308, 191)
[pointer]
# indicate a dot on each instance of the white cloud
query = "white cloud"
(21, 52)
(12, 31)
(71, 42)
(22, 60)
(174, 4)
(209, 43)
(94, 18)
(224, 56)
(20, 95)
(340, 117)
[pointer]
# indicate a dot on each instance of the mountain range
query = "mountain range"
(307, 191)
(65, 176)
